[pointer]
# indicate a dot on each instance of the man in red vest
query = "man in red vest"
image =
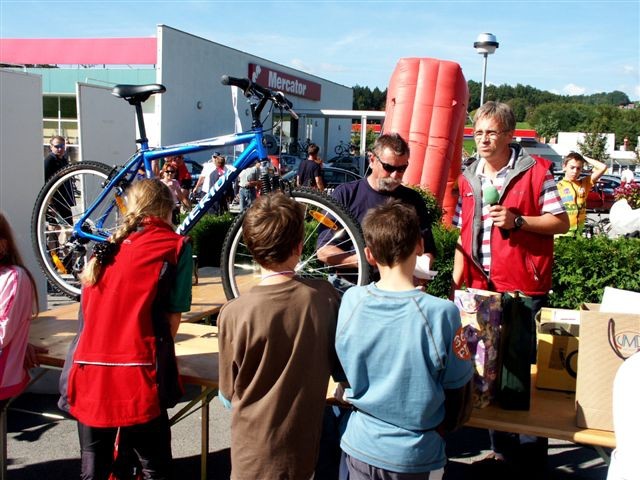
(508, 211)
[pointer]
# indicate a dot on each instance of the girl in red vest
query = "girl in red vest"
(120, 375)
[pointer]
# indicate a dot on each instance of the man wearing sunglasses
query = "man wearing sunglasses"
(388, 161)
(64, 198)
(57, 158)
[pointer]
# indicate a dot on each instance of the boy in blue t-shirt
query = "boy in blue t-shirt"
(405, 358)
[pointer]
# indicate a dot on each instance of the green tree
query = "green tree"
(371, 138)
(594, 146)
(519, 107)
(366, 99)
(547, 127)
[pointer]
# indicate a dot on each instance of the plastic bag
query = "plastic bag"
(624, 219)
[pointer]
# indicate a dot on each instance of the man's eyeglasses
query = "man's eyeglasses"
(391, 168)
(492, 134)
(58, 146)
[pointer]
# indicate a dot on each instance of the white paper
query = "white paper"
(422, 270)
(615, 300)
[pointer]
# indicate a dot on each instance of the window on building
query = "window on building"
(60, 117)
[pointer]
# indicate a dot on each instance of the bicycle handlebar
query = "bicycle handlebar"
(249, 88)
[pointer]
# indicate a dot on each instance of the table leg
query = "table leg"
(204, 398)
(603, 455)
(204, 454)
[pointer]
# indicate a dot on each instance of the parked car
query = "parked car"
(602, 197)
(288, 162)
(355, 164)
(332, 177)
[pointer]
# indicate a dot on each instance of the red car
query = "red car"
(601, 197)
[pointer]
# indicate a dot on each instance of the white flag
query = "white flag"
(238, 124)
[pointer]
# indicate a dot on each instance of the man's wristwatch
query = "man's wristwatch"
(518, 222)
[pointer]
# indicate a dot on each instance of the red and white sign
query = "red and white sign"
(275, 80)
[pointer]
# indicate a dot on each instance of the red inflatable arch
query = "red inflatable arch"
(427, 104)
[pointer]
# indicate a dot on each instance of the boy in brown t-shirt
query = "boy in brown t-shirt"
(277, 351)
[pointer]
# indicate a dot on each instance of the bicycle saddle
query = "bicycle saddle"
(137, 93)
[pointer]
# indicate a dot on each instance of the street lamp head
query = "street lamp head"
(486, 44)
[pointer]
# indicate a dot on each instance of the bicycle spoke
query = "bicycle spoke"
(240, 272)
(60, 250)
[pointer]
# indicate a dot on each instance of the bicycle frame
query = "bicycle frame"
(253, 151)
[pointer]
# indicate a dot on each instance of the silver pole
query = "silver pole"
(484, 78)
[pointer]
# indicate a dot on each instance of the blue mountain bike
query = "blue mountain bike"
(84, 203)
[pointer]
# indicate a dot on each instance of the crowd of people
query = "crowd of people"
(280, 342)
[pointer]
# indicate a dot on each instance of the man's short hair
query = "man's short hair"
(391, 231)
(501, 111)
(313, 149)
(392, 141)
(56, 139)
(572, 156)
(272, 228)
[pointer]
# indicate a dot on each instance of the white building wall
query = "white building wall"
(190, 67)
(568, 142)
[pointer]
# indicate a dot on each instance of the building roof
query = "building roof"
(78, 51)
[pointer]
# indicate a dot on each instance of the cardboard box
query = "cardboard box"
(557, 360)
(606, 339)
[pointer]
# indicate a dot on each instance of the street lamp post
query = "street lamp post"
(485, 44)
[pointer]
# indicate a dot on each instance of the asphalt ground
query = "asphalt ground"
(44, 445)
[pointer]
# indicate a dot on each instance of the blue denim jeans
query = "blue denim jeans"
(247, 196)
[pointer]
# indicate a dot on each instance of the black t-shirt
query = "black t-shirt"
(358, 197)
(307, 173)
(52, 164)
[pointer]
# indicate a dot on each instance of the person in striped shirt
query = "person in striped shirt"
(508, 212)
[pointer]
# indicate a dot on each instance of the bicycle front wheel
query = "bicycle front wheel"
(240, 272)
(62, 201)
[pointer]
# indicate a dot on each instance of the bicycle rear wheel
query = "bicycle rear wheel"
(62, 201)
(240, 272)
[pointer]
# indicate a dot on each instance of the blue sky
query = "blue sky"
(567, 47)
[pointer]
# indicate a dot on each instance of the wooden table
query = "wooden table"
(196, 349)
(552, 415)
(207, 297)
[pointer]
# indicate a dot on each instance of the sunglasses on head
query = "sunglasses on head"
(391, 168)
